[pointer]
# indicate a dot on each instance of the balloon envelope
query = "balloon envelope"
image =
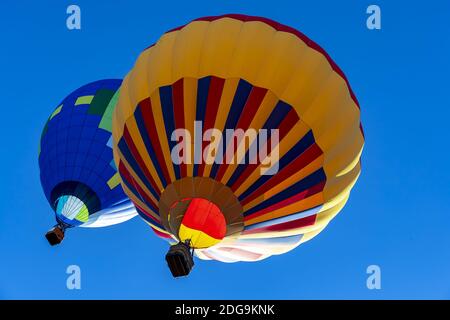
(290, 171)
(77, 171)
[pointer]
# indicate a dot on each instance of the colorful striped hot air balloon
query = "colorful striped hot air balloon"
(77, 170)
(237, 136)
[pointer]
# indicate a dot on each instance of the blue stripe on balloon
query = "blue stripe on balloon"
(301, 146)
(200, 111)
(240, 98)
(123, 147)
(131, 187)
(289, 218)
(300, 186)
(165, 94)
(276, 117)
(148, 144)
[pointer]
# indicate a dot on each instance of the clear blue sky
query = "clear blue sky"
(398, 215)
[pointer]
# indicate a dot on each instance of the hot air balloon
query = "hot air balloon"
(237, 138)
(77, 170)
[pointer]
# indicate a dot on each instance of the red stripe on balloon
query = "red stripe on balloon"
(150, 125)
(126, 175)
(296, 198)
(288, 123)
(304, 222)
(147, 214)
(139, 160)
(251, 106)
(212, 106)
(310, 154)
(285, 126)
(178, 111)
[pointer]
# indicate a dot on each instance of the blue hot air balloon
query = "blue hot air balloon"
(77, 170)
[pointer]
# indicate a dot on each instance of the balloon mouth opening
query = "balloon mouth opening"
(71, 210)
(73, 202)
(202, 223)
(200, 209)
